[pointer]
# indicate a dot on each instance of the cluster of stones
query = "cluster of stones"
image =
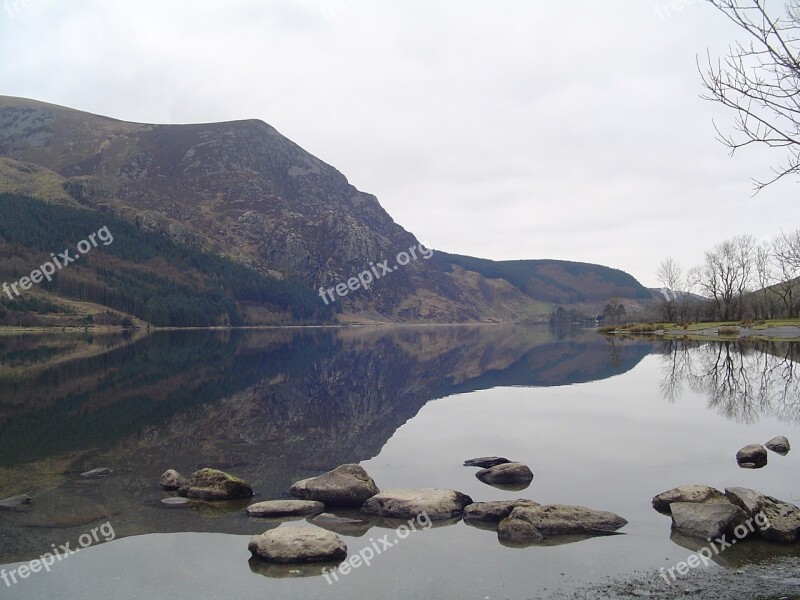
(755, 456)
(704, 512)
(350, 487)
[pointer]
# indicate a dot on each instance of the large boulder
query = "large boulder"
(211, 484)
(495, 511)
(779, 445)
(284, 508)
(409, 503)
(774, 519)
(484, 462)
(753, 456)
(298, 545)
(697, 494)
(171, 480)
(346, 485)
(562, 519)
(707, 521)
(506, 474)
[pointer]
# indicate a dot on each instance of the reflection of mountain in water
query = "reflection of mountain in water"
(271, 406)
(743, 380)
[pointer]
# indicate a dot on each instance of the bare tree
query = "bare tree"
(669, 275)
(725, 275)
(764, 304)
(760, 81)
(787, 261)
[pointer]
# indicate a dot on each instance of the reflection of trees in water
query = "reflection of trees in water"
(743, 380)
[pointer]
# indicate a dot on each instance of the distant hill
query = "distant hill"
(242, 192)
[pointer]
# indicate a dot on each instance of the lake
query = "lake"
(603, 423)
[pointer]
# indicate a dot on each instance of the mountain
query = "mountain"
(244, 193)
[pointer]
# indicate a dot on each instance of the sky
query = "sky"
(502, 129)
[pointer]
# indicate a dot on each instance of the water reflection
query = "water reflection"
(743, 380)
(272, 406)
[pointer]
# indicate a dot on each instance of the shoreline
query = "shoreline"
(730, 333)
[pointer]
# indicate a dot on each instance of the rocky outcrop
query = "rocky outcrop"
(495, 511)
(698, 494)
(284, 508)
(408, 503)
(484, 462)
(706, 521)
(752, 456)
(211, 484)
(298, 545)
(511, 473)
(346, 485)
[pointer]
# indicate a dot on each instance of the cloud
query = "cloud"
(511, 130)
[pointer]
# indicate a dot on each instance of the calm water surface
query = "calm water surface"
(602, 423)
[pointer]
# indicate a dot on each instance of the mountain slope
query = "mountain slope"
(243, 191)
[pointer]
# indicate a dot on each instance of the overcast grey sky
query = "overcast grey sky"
(502, 129)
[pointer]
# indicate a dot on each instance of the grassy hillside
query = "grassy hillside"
(556, 281)
(140, 273)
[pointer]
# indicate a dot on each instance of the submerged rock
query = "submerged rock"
(706, 521)
(15, 502)
(408, 503)
(698, 494)
(97, 473)
(495, 511)
(779, 445)
(171, 480)
(211, 484)
(484, 462)
(506, 474)
(753, 454)
(346, 485)
(285, 508)
(774, 519)
(341, 525)
(175, 502)
(298, 544)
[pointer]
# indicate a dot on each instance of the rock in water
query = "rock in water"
(171, 480)
(518, 531)
(562, 519)
(96, 473)
(346, 485)
(15, 502)
(211, 484)
(285, 508)
(506, 474)
(779, 445)
(775, 520)
(753, 454)
(698, 494)
(496, 511)
(484, 462)
(298, 544)
(706, 520)
(409, 503)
